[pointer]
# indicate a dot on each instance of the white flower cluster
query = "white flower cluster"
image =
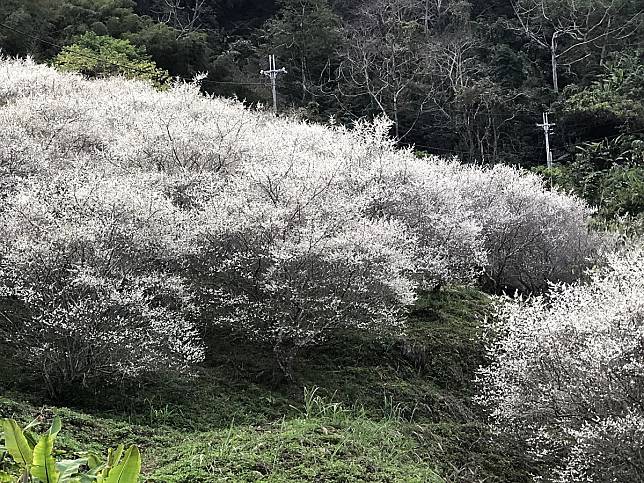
(568, 374)
(284, 230)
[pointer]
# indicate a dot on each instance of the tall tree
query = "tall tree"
(305, 35)
(387, 58)
(569, 30)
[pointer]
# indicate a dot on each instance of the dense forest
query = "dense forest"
(462, 78)
(390, 279)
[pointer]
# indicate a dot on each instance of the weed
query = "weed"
(163, 415)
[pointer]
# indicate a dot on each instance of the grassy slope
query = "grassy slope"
(366, 409)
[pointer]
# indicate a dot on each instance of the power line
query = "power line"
(517, 116)
(436, 148)
(130, 68)
(508, 117)
(567, 145)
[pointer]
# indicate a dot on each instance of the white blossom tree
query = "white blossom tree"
(85, 296)
(567, 374)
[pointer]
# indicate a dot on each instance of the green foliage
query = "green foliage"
(16, 443)
(36, 464)
(104, 17)
(123, 470)
(624, 191)
(609, 174)
(510, 66)
(96, 56)
(43, 467)
(341, 448)
(618, 91)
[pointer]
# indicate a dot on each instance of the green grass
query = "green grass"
(350, 448)
(328, 445)
(380, 409)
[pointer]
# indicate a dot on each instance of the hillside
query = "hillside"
(392, 410)
(247, 297)
(377, 405)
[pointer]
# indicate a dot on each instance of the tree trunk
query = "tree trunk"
(553, 60)
(396, 127)
(303, 66)
(426, 16)
(602, 58)
(285, 356)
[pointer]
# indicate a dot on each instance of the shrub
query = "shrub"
(286, 258)
(101, 55)
(297, 289)
(424, 195)
(568, 374)
(84, 289)
(532, 235)
(500, 223)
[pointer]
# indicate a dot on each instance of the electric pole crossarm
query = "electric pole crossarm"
(546, 124)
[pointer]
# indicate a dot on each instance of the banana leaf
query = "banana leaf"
(16, 443)
(127, 471)
(44, 464)
(55, 427)
(69, 468)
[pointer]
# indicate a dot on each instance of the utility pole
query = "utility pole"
(273, 72)
(546, 132)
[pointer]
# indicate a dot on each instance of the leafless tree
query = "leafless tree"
(386, 60)
(183, 15)
(435, 12)
(412, 71)
(568, 27)
(476, 107)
